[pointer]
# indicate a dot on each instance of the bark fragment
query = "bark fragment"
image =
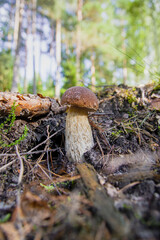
(27, 105)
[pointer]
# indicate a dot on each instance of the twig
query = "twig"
(128, 186)
(138, 134)
(21, 165)
(107, 158)
(100, 113)
(133, 176)
(49, 178)
(46, 147)
(27, 153)
(46, 140)
(99, 145)
(148, 115)
(148, 134)
(48, 165)
(7, 165)
(105, 140)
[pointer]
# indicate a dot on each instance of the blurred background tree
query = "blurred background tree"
(48, 46)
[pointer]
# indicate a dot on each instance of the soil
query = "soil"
(114, 195)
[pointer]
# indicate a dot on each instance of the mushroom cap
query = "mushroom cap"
(80, 97)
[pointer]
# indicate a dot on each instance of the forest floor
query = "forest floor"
(115, 194)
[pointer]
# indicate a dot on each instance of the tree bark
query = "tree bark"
(25, 83)
(52, 52)
(34, 6)
(58, 58)
(125, 72)
(17, 36)
(27, 105)
(11, 20)
(155, 35)
(78, 39)
(93, 70)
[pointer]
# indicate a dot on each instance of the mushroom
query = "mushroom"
(78, 133)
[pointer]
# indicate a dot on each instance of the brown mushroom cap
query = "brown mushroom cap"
(80, 97)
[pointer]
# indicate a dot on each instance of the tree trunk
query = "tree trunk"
(10, 21)
(125, 72)
(93, 77)
(52, 52)
(78, 40)
(17, 35)
(25, 84)
(40, 47)
(58, 58)
(34, 6)
(155, 35)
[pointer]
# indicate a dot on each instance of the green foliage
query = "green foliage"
(51, 187)
(122, 34)
(47, 187)
(6, 127)
(131, 98)
(49, 87)
(5, 218)
(6, 70)
(69, 72)
(65, 184)
(116, 133)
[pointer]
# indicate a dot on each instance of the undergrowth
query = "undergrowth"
(6, 127)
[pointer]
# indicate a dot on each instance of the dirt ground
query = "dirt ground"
(115, 194)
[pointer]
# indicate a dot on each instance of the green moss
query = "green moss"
(116, 133)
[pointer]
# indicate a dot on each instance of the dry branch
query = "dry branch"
(127, 178)
(102, 202)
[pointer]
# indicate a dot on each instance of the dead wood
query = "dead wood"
(102, 202)
(126, 178)
(27, 105)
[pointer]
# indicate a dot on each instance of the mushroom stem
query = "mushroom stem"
(78, 134)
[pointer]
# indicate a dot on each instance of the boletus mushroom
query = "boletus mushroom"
(78, 132)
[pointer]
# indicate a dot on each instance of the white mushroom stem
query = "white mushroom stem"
(78, 135)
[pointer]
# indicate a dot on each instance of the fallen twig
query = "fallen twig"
(27, 153)
(126, 178)
(46, 140)
(7, 165)
(21, 165)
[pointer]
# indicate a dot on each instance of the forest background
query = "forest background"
(49, 46)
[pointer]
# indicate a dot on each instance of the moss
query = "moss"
(117, 133)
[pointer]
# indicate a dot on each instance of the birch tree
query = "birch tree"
(93, 71)
(17, 38)
(34, 11)
(58, 58)
(28, 16)
(78, 39)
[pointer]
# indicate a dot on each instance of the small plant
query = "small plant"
(131, 99)
(117, 133)
(5, 218)
(6, 127)
(48, 188)
(51, 187)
